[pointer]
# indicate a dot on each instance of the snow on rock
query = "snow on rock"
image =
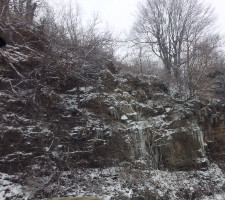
(124, 117)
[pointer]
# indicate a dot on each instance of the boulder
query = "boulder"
(140, 96)
(130, 83)
(108, 79)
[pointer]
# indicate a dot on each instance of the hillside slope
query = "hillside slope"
(69, 130)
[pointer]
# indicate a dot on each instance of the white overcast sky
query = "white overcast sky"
(120, 14)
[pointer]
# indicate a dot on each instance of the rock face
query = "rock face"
(135, 120)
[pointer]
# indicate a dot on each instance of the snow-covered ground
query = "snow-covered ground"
(122, 183)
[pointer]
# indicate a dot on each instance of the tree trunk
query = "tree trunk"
(30, 10)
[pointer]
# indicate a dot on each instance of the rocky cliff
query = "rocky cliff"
(119, 137)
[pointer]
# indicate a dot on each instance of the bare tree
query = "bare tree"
(88, 46)
(205, 61)
(172, 29)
